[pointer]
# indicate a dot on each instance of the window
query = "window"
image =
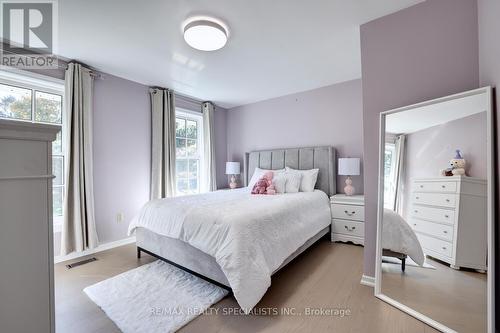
(27, 98)
(389, 175)
(189, 152)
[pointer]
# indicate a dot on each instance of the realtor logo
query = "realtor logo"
(28, 33)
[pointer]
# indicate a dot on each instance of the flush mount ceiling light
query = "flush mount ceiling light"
(205, 34)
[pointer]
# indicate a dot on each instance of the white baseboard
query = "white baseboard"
(368, 281)
(100, 248)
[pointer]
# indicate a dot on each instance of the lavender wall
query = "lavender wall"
(326, 116)
(489, 74)
(121, 153)
(422, 52)
(430, 150)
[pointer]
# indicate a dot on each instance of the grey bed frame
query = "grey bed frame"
(186, 257)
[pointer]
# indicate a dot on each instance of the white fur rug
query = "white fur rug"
(156, 297)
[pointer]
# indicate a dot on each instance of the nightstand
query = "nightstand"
(348, 218)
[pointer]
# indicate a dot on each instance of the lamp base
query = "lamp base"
(233, 184)
(349, 189)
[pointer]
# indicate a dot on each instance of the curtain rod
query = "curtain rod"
(180, 96)
(191, 99)
(188, 99)
(93, 72)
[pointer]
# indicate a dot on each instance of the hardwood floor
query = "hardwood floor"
(326, 276)
(454, 298)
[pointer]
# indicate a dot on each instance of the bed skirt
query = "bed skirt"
(186, 256)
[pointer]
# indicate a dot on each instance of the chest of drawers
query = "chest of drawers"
(449, 216)
(348, 216)
(26, 244)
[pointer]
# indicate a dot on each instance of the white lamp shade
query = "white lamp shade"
(232, 168)
(348, 166)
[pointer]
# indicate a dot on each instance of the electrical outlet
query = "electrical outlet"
(120, 217)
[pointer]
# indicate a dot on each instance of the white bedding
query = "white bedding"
(248, 235)
(398, 236)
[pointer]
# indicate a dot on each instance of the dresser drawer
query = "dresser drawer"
(443, 187)
(433, 214)
(436, 245)
(346, 227)
(435, 199)
(435, 229)
(349, 212)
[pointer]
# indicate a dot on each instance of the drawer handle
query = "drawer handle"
(444, 247)
(443, 186)
(447, 200)
(415, 224)
(349, 229)
(444, 231)
(421, 186)
(447, 216)
(416, 211)
(417, 198)
(349, 214)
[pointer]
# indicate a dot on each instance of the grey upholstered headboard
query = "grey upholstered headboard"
(322, 158)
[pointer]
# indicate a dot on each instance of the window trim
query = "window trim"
(198, 117)
(40, 83)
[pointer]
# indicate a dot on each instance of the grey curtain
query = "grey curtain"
(79, 231)
(208, 110)
(399, 173)
(162, 143)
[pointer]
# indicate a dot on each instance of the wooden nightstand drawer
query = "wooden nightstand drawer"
(348, 212)
(346, 227)
(348, 215)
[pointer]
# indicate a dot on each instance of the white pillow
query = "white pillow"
(309, 178)
(292, 184)
(258, 173)
(279, 183)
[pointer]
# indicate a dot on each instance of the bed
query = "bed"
(238, 240)
(399, 240)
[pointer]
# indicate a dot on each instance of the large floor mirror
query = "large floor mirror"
(436, 211)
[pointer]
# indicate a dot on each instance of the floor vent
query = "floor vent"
(79, 263)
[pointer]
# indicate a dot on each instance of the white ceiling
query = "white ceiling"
(276, 47)
(417, 119)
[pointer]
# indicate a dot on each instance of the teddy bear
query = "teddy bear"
(458, 165)
(265, 184)
(260, 187)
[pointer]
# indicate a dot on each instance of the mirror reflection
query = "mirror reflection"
(434, 230)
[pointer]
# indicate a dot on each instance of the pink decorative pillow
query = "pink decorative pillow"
(264, 185)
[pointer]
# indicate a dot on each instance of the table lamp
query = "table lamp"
(349, 167)
(233, 169)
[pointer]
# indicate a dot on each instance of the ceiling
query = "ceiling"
(417, 119)
(275, 47)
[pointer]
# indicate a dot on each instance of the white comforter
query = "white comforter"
(398, 236)
(249, 236)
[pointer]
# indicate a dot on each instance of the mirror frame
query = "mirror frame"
(487, 91)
